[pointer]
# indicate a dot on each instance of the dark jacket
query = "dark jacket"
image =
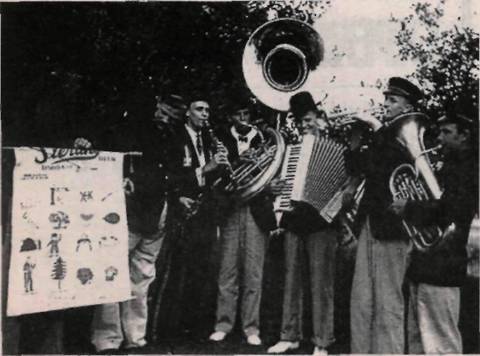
(261, 205)
(376, 164)
(147, 172)
(181, 165)
(446, 265)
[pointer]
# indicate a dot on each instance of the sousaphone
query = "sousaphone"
(280, 59)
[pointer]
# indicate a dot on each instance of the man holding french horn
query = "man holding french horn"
(435, 275)
(377, 302)
(243, 235)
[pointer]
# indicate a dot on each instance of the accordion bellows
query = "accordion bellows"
(315, 173)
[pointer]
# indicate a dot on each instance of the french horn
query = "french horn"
(416, 181)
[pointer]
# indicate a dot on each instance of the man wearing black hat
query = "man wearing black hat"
(194, 164)
(314, 240)
(147, 124)
(435, 276)
(377, 302)
(243, 237)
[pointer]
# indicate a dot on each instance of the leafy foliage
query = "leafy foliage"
(448, 64)
(75, 68)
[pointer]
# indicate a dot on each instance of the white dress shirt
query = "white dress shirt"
(200, 155)
(241, 145)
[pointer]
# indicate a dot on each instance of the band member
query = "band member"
(377, 302)
(314, 242)
(124, 324)
(243, 236)
(436, 275)
(188, 299)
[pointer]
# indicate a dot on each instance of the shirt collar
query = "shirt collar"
(250, 135)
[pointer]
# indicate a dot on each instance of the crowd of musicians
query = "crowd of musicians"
(205, 250)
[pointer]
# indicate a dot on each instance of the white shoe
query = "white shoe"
(319, 352)
(218, 336)
(283, 346)
(254, 340)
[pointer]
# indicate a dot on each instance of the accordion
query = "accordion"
(314, 171)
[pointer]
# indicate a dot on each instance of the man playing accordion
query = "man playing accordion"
(307, 235)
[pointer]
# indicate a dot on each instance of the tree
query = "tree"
(448, 64)
(59, 271)
(75, 68)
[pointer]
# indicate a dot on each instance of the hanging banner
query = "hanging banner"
(69, 230)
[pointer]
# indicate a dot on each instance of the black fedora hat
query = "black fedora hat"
(301, 103)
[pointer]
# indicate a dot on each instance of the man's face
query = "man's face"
(451, 139)
(241, 117)
(395, 105)
(311, 123)
(198, 114)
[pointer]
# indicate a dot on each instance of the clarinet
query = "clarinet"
(217, 143)
(202, 196)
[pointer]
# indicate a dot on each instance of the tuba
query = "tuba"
(278, 60)
(416, 181)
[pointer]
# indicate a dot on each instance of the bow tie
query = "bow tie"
(242, 138)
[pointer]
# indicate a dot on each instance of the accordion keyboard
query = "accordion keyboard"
(288, 174)
(314, 173)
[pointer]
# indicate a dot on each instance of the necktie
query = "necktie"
(242, 138)
(199, 143)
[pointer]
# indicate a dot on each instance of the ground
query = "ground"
(77, 321)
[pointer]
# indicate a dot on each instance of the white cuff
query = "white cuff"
(200, 177)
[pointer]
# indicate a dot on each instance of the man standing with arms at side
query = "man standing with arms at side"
(117, 325)
(314, 241)
(377, 302)
(435, 276)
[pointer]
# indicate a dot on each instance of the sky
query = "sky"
(360, 46)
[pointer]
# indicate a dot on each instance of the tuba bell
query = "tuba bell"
(278, 60)
(416, 181)
(282, 57)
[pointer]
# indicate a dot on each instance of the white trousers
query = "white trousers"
(433, 320)
(126, 322)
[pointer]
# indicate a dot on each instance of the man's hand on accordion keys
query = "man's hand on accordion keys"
(277, 186)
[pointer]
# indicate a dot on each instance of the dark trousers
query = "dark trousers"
(185, 292)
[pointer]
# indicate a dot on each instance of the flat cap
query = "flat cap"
(403, 87)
